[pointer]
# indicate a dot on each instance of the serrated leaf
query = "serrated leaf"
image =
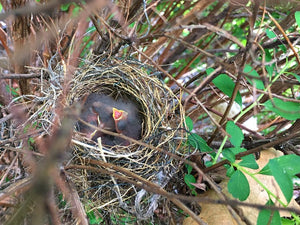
(226, 85)
(249, 162)
(283, 179)
(236, 134)
(189, 123)
(268, 217)
(289, 163)
(286, 109)
(259, 84)
(198, 142)
(238, 186)
(188, 179)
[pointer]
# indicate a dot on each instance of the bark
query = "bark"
(20, 29)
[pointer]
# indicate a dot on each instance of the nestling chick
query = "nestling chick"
(89, 116)
(103, 107)
(97, 111)
(127, 119)
(121, 116)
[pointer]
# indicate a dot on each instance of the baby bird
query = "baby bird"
(103, 106)
(97, 111)
(127, 119)
(121, 116)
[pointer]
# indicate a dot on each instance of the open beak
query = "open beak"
(119, 114)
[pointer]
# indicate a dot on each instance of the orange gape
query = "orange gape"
(117, 114)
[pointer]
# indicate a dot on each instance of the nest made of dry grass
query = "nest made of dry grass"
(163, 119)
(162, 122)
(130, 78)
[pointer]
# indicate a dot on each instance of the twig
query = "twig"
(275, 141)
(285, 37)
(194, 165)
(19, 76)
(136, 180)
(28, 9)
(154, 188)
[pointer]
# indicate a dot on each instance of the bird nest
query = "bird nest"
(100, 173)
(162, 120)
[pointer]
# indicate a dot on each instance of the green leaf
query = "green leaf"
(189, 168)
(226, 85)
(249, 162)
(185, 32)
(270, 70)
(268, 57)
(270, 33)
(296, 76)
(230, 170)
(91, 216)
(76, 10)
(259, 84)
(289, 163)
(198, 142)
(189, 123)
(228, 154)
(285, 109)
(236, 134)
(209, 70)
(238, 186)
(283, 179)
(268, 217)
(208, 163)
(297, 17)
(285, 221)
(93, 219)
(62, 202)
(188, 179)
(13, 91)
(65, 7)
(30, 140)
(238, 150)
(1, 7)
(282, 48)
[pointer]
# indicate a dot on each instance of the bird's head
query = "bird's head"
(120, 116)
